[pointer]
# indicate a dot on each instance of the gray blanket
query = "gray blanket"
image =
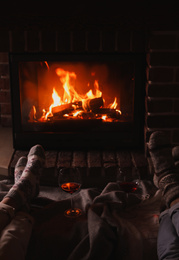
(114, 224)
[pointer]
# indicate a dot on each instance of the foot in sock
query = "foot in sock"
(164, 166)
(19, 168)
(27, 186)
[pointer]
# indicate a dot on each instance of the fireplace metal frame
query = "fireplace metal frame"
(119, 135)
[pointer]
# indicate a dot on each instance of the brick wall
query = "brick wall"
(162, 54)
(5, 99)
(162, 91)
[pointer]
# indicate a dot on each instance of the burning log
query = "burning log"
(92, 104)
(88, 105)
(65, 107)
(57, 109)
(113, 113)
(88, 115)
(88, 109)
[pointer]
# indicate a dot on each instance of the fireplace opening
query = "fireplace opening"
(77, 101)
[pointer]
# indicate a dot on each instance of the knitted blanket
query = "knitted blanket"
(114, 224)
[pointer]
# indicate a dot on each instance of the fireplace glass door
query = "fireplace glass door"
(77, 101)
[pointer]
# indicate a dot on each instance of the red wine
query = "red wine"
(128, 186)
(70, 187)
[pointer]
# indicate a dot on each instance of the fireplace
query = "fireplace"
(77, 100)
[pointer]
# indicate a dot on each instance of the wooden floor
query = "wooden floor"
(6, 149)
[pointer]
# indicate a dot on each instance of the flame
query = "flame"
(77, 113)
(69, 91)
(56, 98)
(97, 94)
(46, 63)
(56, 102)
(71, 97)
(119, 111)
(114, 104)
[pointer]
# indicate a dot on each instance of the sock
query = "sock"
(161, 154)
(20, 165)
(27, 186)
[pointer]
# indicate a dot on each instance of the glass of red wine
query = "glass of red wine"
(69, 181)
(128, 186)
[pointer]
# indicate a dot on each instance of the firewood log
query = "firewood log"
(108, 111)
(67, 106)
(88, 115)
(104, 111)
(61, 113)
(92, 104)
(58, 109)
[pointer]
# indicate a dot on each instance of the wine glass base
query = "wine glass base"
(73, 213)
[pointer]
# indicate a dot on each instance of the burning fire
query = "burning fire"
(74, 105)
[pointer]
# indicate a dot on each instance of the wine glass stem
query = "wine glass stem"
(72, 202)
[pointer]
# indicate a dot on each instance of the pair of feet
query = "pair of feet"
(26, 177)
(166, 174)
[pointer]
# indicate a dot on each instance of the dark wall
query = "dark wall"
(88, 14)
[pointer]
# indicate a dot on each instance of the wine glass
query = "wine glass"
(125, 185)
(69, 180)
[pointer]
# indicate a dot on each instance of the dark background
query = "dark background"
(82, 14)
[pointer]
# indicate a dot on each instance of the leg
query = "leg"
(27, 186)
(168, 240)
(7, 213)
(167, 178)
(15, 237)
(8, 205)
(166, 174)
(15, 225)
(174, 214)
